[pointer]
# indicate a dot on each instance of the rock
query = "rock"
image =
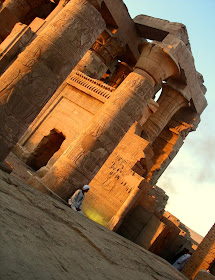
(42, 238)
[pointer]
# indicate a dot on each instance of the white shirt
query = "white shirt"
(180, 262)
(77, 199)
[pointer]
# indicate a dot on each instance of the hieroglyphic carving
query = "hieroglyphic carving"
(50, 58)
(97, 141)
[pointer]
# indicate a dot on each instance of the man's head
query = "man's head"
(85, 188)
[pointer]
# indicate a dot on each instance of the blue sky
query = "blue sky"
(190, 179)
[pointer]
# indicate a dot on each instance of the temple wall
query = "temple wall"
(73, 107)
(115, 180)
(115, 138)
(69, 111)
(150, 233)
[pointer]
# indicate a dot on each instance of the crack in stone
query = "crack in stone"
(93, 245)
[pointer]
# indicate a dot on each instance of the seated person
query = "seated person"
(77, 198)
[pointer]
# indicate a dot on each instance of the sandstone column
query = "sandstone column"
(121, 72)
(32, 79)
(169, 102)
(203, 257)
(82, 160)
(96, 61)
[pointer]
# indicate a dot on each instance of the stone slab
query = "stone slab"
(204, 275)
(157, 29)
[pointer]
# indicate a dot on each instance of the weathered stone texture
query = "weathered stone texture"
(204, 275)
(115, 180)
(203, 257)
(32, 79)
(14, 44)
(157, 29)
(93, 146)
(95, 119)
(169, 103)
(44, 239)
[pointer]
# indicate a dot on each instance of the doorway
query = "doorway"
(49, 145)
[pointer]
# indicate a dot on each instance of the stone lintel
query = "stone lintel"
(201, 81)
(125, 31)
(157, 29)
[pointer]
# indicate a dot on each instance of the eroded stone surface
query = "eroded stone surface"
(44, 239)
(204, 275)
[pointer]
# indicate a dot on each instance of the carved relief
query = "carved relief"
(50, 58)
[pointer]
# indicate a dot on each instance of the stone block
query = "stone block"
(15, 42)
(124, 28)
(115, 180)
(157, 29)
(150, 232)
(37, 24)
(204, 275)
(7, 22)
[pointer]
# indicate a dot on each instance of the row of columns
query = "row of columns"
(88, 152)
(96, 143)
(37, 72)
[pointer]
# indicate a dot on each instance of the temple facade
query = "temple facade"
(89, 95)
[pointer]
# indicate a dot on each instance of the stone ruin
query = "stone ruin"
(202, 259)
(90, 96)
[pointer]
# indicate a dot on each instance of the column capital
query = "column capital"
(179, 86)
(169, 102)
(156, 62)
(108, 47)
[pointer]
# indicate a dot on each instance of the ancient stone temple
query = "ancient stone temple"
(90, 96)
